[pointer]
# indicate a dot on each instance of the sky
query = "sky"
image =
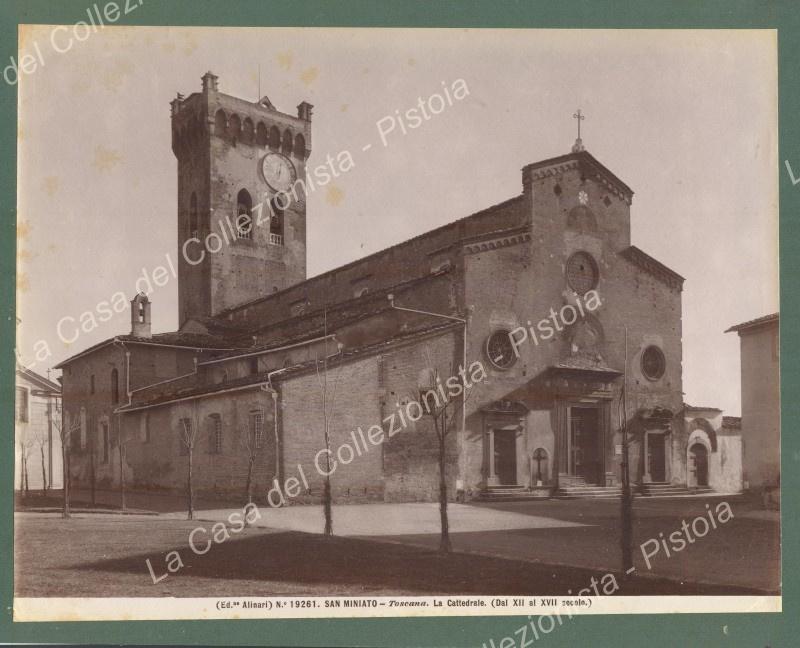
(686, 118)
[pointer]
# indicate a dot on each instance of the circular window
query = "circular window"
(499, 350)
(582, 272)
(653, 363)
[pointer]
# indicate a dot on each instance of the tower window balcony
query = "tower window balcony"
(275, 239)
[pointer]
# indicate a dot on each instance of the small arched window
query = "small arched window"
(244, 215)
(275, 222)
(215, 439)
(114, 386)
(274, 138)
(220, 123)
(248, 132)
(300, 146)
(256, 429)
(261, 134)
(193, 225)
(235, 128)
(287, 142)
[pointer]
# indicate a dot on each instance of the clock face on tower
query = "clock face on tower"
(278, 171)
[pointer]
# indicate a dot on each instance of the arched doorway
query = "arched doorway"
(698, 465)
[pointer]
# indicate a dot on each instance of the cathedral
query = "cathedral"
(527, 322)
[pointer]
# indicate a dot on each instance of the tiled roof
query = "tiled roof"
(584, 362)
(172, 339)
(175, 338)
(44, 383)
(697, 408)
(754, 323)
(479, 223)
(182, 389)
(732, 422)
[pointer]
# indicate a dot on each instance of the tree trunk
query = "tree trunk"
(44, 469)
(93, 475)
(65, 476)
(444, 543)
(190, 485)
(122, 473)
(249, 487)
(327, 504)
(25, 484)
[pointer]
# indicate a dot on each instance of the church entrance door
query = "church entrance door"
(505, 456)
(698, 465)
(656, 457)
(584, 447)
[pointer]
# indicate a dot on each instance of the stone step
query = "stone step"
(506, 487)
(516, 497)
(667, 490)
(592, 489)
(589, 492)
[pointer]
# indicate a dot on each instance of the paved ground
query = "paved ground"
(743, 551)
(107, 555)
(376, 520)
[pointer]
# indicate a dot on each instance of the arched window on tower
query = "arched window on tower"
(235, 128)
(248, 132)
(274, 138)
(220, 123)
(193, 224)
(287, 142)
(300, 146)
(261, 134)
(244, 215)
(275, 222)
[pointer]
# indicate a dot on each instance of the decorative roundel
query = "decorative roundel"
(499, 350)
(653, 363)
(582, 273)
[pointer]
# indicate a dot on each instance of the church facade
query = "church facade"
(528, 319)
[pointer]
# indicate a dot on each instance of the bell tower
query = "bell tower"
(241, 198)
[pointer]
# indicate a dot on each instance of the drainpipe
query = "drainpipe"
(128, 391)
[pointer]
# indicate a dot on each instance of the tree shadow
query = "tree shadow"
(277, 561)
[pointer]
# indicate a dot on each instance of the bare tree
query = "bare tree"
(626, 498)
(26, 443)
(92, 431)
(122, 441)
(328, 405)
(66, 428)
(40, 439)
(251, 440)
(443, 401)
(188, 437)
(45, 485)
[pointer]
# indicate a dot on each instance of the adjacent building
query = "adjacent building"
(761, 409)
(37, 415)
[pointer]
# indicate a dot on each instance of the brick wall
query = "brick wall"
(356, 404)
(157, 461)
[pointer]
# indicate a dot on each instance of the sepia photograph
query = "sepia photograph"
(389, 322)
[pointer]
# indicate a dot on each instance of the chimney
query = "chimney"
(140, 316)
(209, 82)
(304, 111)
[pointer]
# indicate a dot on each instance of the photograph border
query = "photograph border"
(595, 630)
